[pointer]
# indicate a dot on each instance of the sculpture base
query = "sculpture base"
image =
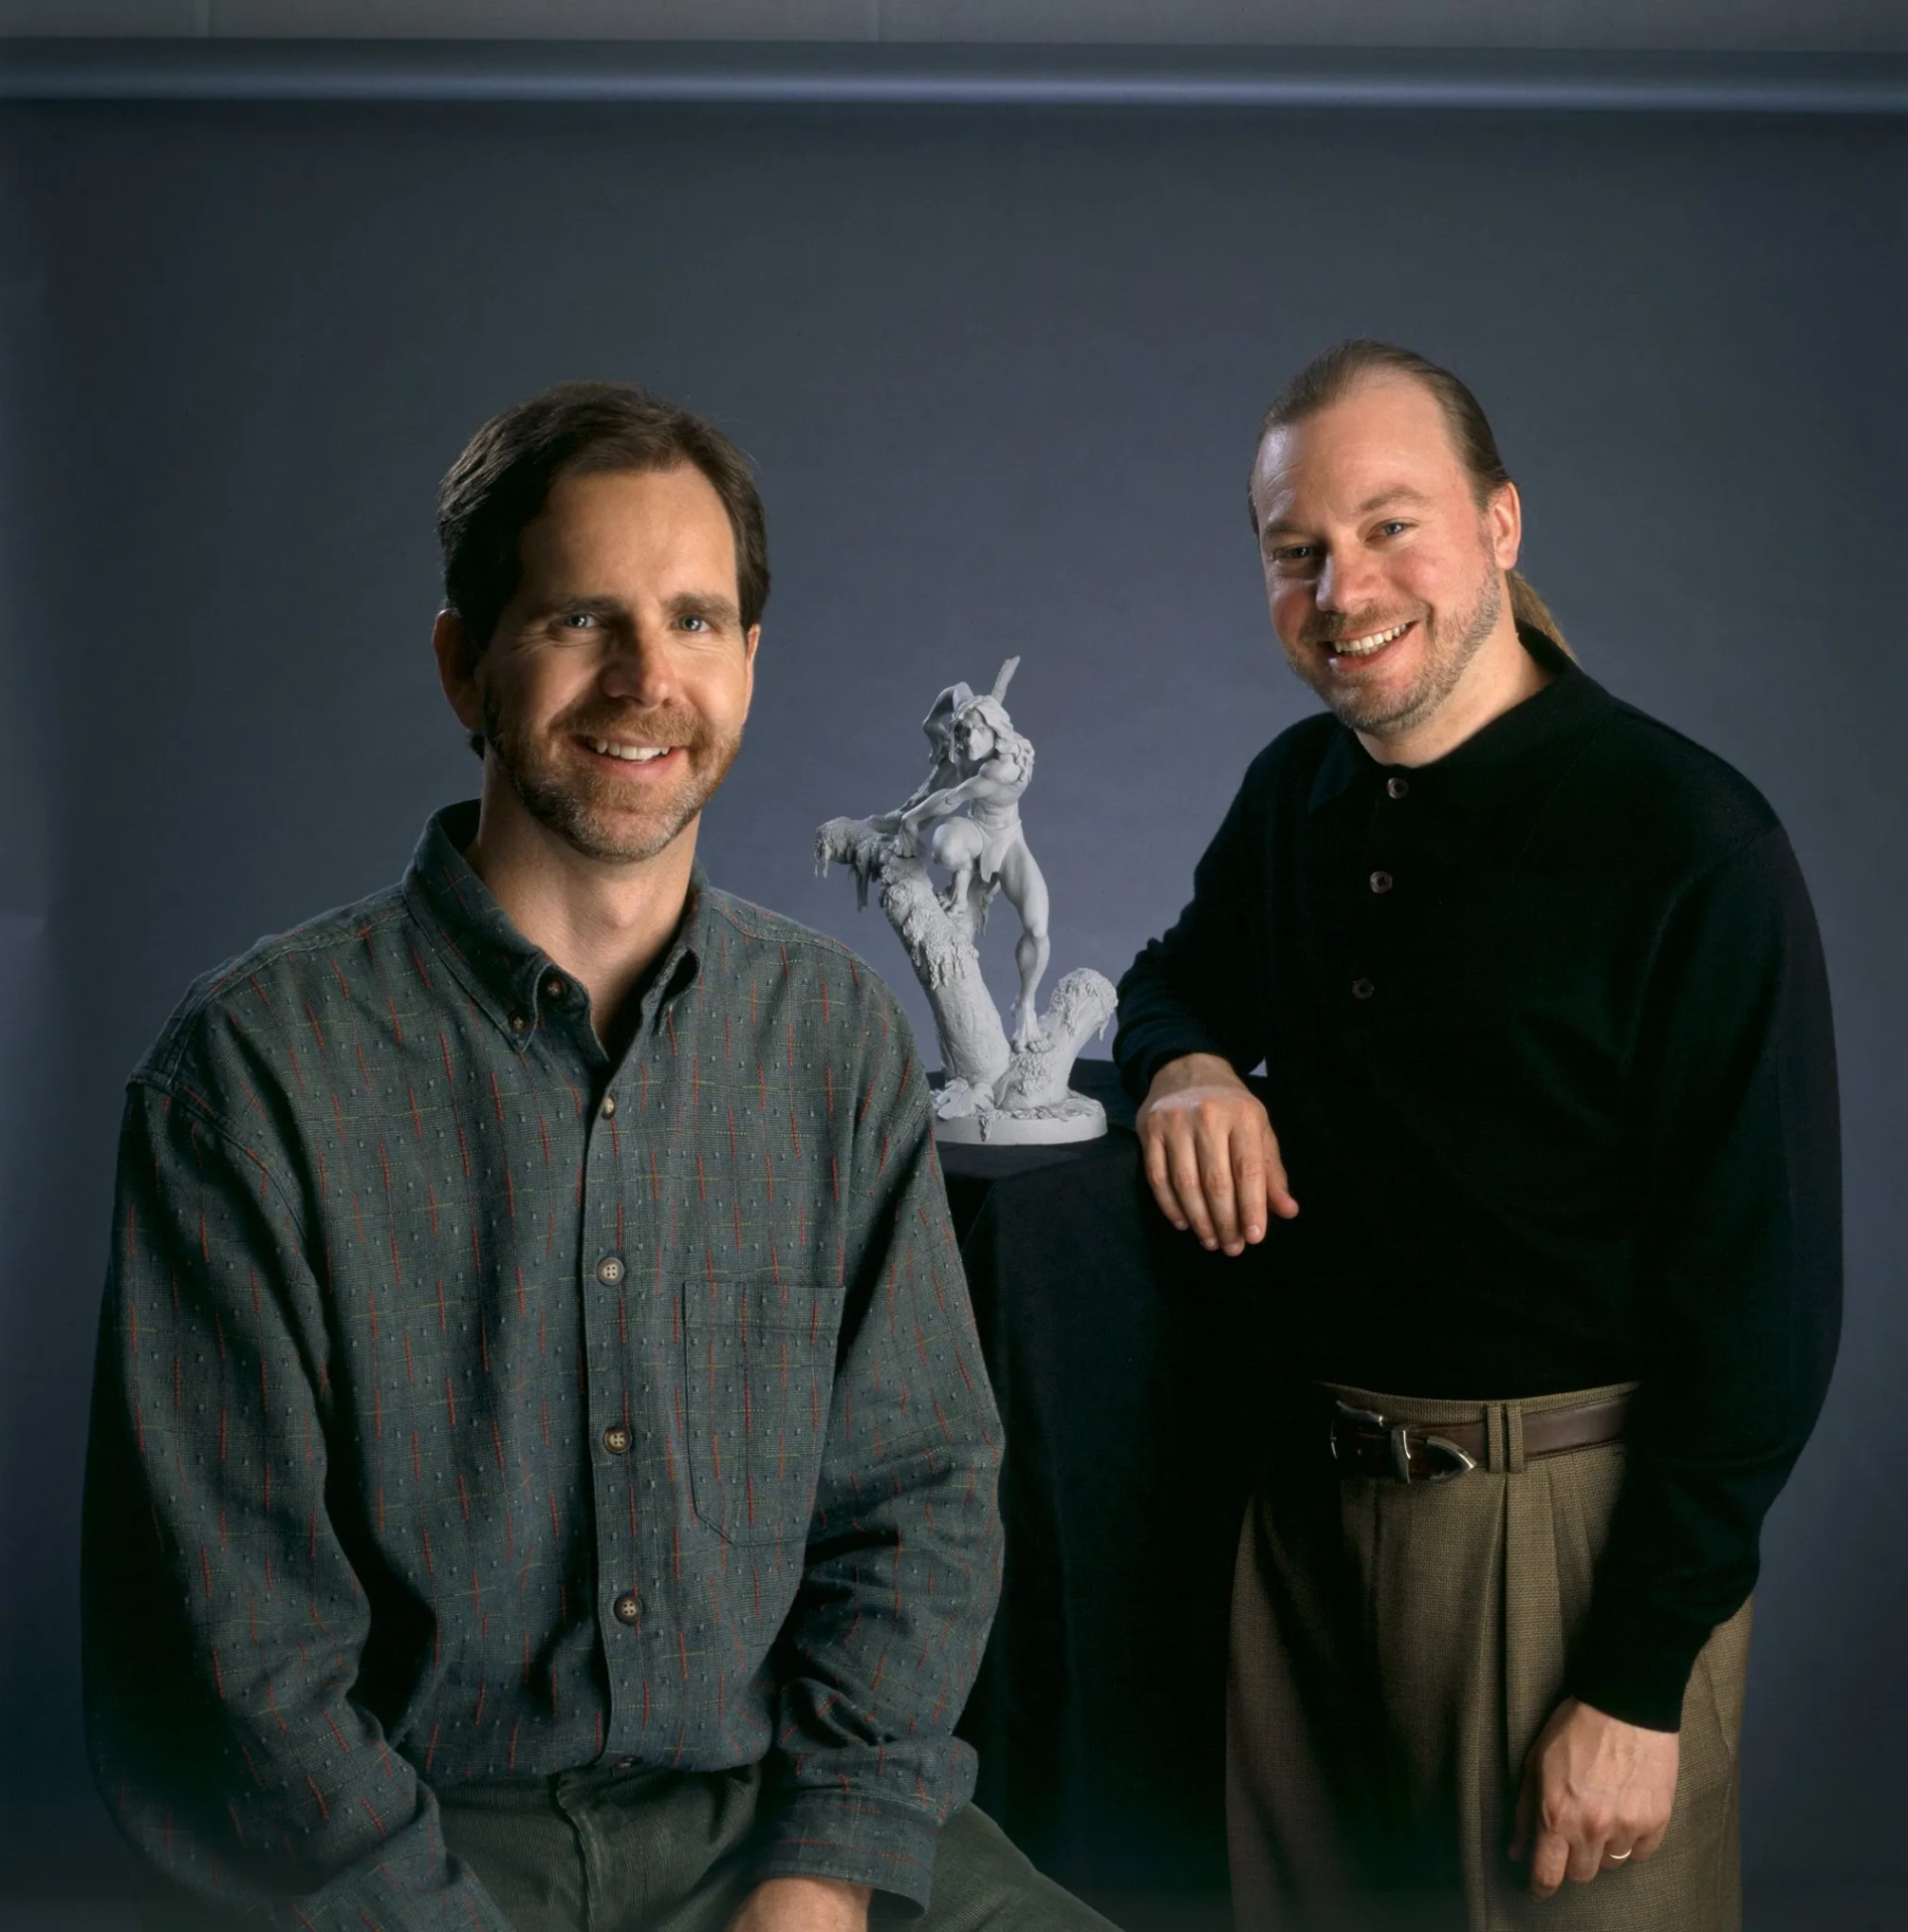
(1075, 1118)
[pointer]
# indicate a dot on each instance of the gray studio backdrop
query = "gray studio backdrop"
(1001, 371)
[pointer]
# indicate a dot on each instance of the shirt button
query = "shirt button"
(1397, 787)
(627, 1609)
(518, 1023)
(1381, 882)
(609, 1105)
(554, 988)
(1363, 989)
(617, 1440)
(609, 1269)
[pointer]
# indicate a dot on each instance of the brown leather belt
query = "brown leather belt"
(1365, 1443)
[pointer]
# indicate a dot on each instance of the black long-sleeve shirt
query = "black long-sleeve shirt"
(1547, 1042)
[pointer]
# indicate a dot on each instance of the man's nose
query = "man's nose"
(1347, 581)
(637, 667)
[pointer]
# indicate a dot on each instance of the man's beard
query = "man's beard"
(1449, 648)
(591, 811)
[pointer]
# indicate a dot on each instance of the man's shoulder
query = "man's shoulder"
(804, 952)
(1297, 752)
(1658, 788)
(269, 990)
(1286, 768)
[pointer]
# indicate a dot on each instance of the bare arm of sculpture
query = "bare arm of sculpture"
(946, 774)
(998, 781)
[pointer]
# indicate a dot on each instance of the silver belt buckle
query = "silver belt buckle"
(1399, 1435)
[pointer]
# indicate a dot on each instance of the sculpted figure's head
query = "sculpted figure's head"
(1389, 531)
(981, 727)
(605, 567)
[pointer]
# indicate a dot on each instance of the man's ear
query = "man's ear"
(1503, 518)
(457, 669)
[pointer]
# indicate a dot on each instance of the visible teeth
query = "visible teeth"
(629, 753)
(1365, 646)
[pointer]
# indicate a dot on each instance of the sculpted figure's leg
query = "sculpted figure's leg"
(956, 844)
(1025, 890)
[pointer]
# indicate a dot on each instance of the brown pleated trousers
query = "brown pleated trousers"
(1395, 1651)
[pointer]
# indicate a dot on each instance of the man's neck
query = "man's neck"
(605, 925)
(1498, 678)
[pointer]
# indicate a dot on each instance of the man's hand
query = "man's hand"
(1596, 1793)
(803, 1906)
(1211, 1157)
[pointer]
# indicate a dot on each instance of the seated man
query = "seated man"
(543, 1472)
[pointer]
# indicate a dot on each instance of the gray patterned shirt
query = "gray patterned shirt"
(470, 1407)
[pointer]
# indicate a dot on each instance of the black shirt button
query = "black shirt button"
(609, 1105)
(1381, 882)
(554, 988)
(1397, 787)
(518, 1023)
(617, 1440)
(610, 1270)
(626, 1607)
(1363, 989)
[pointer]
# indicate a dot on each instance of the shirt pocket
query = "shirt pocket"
(758, 1369)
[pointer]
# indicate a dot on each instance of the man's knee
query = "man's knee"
(984, 1883)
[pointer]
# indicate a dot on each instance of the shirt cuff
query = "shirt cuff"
(1141, 1056)
(1634, 1665)
(852, 1837)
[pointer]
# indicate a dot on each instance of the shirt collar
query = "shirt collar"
(517, 985)
(1496, 770)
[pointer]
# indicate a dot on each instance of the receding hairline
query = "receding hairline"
(1360, 382)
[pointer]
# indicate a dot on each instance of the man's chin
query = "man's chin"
(1369, 708)
(612, 839)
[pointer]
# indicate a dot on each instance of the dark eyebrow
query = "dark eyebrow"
(1401, 494)
(591, 606)
(698, 603)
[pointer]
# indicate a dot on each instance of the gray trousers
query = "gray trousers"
(1394, 1652)
(648, 1852)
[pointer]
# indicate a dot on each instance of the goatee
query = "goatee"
(593, 812)
(1447, 653)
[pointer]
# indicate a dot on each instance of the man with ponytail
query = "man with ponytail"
(1548, 1064)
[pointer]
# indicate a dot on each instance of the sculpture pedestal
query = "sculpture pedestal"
(1074, 1118)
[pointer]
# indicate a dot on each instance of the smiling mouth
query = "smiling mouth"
(1370, 645)
(629, 753)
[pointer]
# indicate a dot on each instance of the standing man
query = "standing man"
(543, 1472)
(1548, 1064)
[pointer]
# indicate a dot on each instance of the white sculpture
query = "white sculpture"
(966, 818)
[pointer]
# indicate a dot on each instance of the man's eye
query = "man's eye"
(1293, 553)
(1391, 527)
(576, 620)
(691, 622)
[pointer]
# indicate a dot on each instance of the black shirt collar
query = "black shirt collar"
(515, 983)
(1503, 768)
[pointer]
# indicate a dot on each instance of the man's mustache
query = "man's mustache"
(664, 724)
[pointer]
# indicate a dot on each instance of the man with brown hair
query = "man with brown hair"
(1548, 1064)
(543, 1472)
